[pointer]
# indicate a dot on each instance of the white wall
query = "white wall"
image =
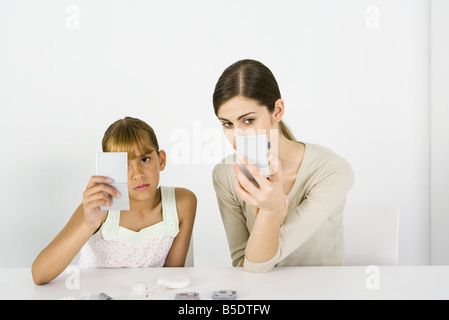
(440, 132)
(354, 75)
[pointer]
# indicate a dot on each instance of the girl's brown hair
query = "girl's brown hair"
(126, 134)
(253, 80)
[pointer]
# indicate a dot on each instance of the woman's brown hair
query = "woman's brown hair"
(253, 80)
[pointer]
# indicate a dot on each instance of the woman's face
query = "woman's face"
(242, 116)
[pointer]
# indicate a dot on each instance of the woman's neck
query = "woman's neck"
(290, 155)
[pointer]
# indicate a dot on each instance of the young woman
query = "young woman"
(155, 232)
(294, 218)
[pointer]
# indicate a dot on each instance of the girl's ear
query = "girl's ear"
(278, 113)
(162, 160)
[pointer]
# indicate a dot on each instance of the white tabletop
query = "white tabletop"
(395, 282)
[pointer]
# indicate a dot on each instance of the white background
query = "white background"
(354, 75)
(439, 132)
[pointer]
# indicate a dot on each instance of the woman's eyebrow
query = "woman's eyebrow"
(242, 116)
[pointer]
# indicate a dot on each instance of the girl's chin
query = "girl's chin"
(144, 195)
(139, 198)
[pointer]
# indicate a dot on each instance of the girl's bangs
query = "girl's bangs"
(130, 141)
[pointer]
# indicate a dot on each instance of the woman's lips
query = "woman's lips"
(141, 187)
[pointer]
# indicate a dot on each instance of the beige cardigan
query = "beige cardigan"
(312, 233)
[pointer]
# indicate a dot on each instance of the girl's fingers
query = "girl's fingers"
(99, 188)
(97, 200)
(94, 180)
(98, 195)
(98, 203)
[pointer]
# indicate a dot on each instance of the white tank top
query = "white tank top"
(113, 246)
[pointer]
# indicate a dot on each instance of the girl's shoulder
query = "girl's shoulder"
(186, 202)
(184, 195)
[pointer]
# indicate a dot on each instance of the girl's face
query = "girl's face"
(143, 174)
(242, 116)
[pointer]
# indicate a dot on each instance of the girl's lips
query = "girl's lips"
(141, 187)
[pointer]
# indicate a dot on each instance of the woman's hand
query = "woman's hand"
(268, 198)
(96, 195)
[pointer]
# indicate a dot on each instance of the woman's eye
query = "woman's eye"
(249, 121)
(226, 124)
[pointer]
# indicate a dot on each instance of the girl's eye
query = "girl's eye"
(226, 124)
(249, 121)
(145, 160)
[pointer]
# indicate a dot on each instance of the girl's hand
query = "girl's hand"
(269, 197)
(96, 195)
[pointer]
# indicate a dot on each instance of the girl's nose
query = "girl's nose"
(135, 173)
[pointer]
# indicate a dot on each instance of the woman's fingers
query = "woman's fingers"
(255, 212)
(286, 204)
(242, 192)
(268, 194)
(275, 168)
(260, 178)
(244, 181)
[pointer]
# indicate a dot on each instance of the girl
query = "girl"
(155, 231)
(295, 217)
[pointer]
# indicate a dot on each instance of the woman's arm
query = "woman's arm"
(325, 198)
(231, 212)
(270, 208)
(263, 242)
(186, 203)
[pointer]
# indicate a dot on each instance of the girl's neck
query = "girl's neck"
(147, 205)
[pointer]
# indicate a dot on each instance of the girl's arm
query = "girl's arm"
(60, 252)
(84, 222)
(186, 204)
